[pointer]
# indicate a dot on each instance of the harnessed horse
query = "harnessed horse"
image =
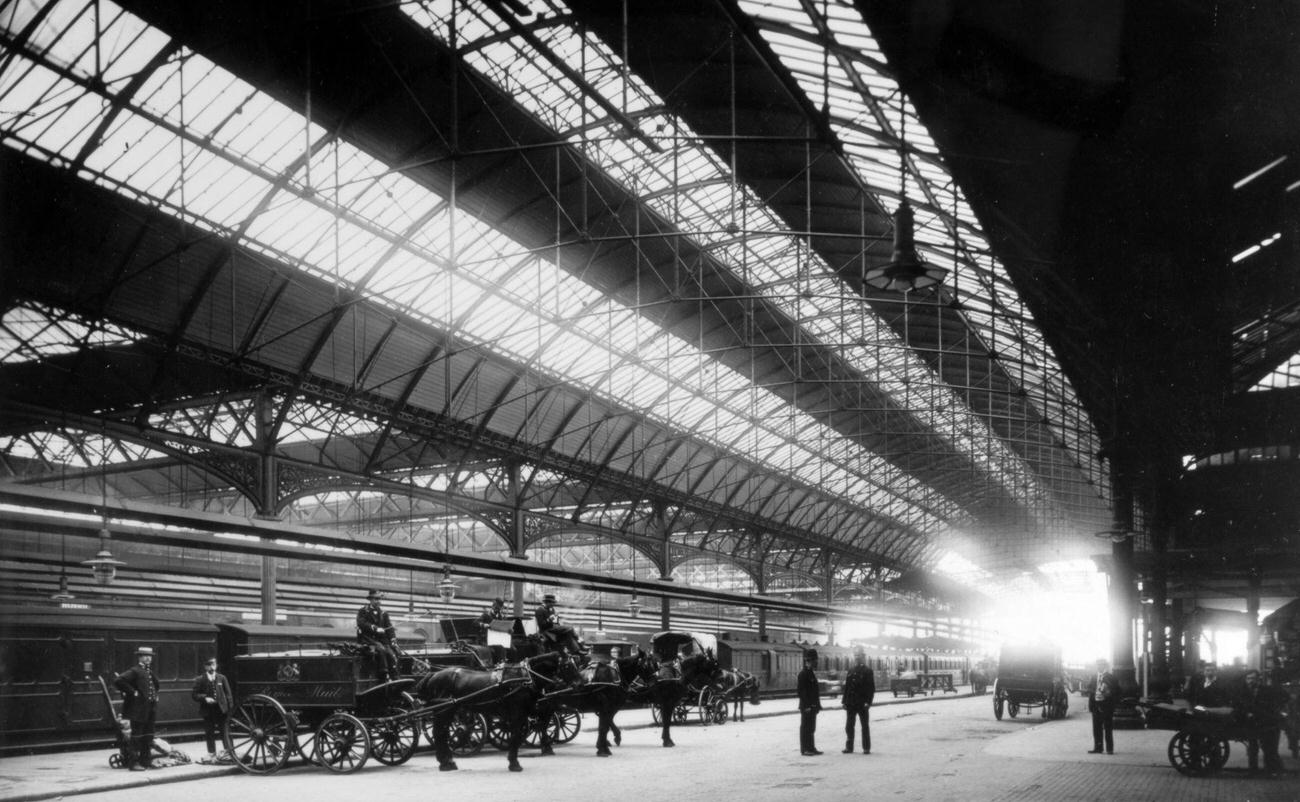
(600, 690)
(647, 681)
(511, 693)
(738, 687)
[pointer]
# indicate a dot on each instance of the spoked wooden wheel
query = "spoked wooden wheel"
(721, 710)
(342, 743)
(393, 740)
(259, 734)
(565, 724)
(997, 705)
(467, 733)
(1196, 755)
(680, 712)
(1013, 708)
(497, 735)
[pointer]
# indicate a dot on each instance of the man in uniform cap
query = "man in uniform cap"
(810, 704)
(139, 689)
(376, 630)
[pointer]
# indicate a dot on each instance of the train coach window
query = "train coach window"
(30, 661)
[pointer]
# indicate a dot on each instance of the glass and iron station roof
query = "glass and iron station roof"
(495, 277)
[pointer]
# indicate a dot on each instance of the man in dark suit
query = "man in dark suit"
(375, 629)
(1260, 707)
(810, 704)
(212, 692)
(560, 638)
(1103, 693)
(139, 689)
(1206, 689)
(859, 693)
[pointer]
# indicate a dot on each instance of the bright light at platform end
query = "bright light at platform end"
(1074, 616)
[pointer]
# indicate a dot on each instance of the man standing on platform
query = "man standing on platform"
(376, 630)
(1259, 707)
(1102, 691)
(212, 692)
(859, 693)
(810, 704)
(139, 689)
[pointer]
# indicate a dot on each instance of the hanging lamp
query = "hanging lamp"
(63, 594)
(103, 565)
(905, 271)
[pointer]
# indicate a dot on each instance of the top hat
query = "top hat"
(810, 654)
(145, 650)
(374, 594)
(549, 597)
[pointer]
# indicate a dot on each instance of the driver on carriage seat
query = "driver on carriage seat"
(375, 630)
(555, 635)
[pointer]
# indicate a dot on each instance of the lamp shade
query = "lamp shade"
(446, 588)
(634, 607)
(103, 565)
(905, 271)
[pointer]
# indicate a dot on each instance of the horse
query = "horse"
(511, 693)
(738, 687)
(648, 681)
(600, 690)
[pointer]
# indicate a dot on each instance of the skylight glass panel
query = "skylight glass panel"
(266, 140)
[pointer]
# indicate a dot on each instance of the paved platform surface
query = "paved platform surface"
(937, 748)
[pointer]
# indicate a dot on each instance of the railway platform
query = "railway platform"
(939, 747)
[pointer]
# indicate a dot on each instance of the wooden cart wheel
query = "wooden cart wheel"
(721, 710)
(259, 734)
(467, 733)
(654, 715)
(1013, 708)
(565, 725)
(704, 706)
(496, 733)
(393, 739)
(997, 705)
(680, 712)
(342, 743)
(1196, 755)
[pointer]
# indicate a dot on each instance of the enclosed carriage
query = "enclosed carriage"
(307, 691)
(702, 699)
(1030, 677)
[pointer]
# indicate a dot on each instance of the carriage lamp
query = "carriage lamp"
(633, 606)
(447, 588)
(103, 565)
(751, 617)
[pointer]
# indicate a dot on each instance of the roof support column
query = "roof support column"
(1177, 663)
(1121, 588)
(268, 485)
(517, 549)
(760, 588)
(1252, 612)
(659, 523)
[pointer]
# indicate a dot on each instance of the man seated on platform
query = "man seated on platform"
(555, 635)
